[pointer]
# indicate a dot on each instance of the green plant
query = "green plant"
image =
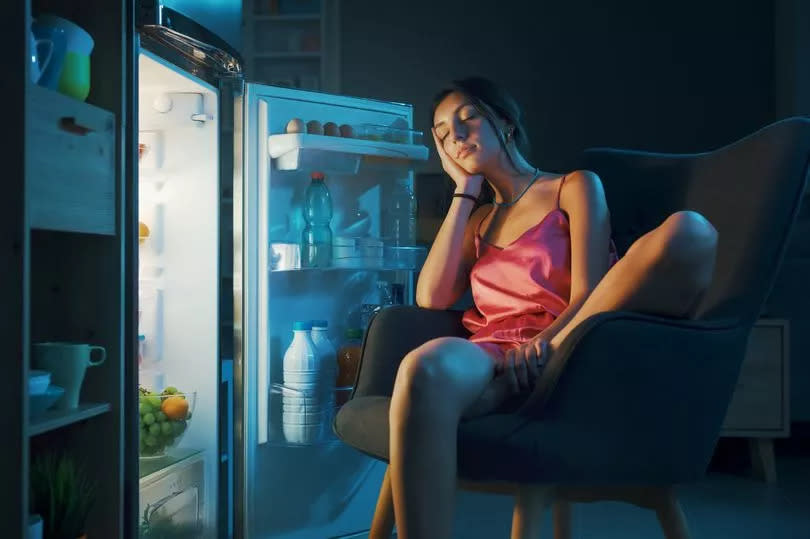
(62, 494)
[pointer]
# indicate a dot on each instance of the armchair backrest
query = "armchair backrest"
(750, 191)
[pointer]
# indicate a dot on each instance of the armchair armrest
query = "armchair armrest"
(670, 379)
(392, 333)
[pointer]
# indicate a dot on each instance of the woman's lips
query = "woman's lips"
(464, 152)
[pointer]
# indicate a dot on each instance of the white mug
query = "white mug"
(38, 64)
(67, 363)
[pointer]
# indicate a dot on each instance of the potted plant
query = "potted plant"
(62, 494)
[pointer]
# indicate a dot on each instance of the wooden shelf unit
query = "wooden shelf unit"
(69, 236)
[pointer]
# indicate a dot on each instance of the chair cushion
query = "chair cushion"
(515, 448)
(489, 447)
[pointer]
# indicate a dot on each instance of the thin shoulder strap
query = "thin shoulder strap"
(559, 190)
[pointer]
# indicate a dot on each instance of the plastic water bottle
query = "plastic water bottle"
(328, 356)
(316, 238)
(400, 222)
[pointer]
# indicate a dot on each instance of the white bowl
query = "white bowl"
(307, 389)
(305, 410)
(303, 434)
(38, 382)
(39, 403)
(297, 418)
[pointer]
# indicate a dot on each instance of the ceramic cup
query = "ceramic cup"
(41, 52)
(50, 71)
(74, 77)
(67, 363)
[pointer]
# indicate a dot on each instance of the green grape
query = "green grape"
(154, 401)
(149, 418)
(150, 441)
(160, 417)
(144, 408)
(171, 390)
(179, 427)
(154, 429)
(166, 429)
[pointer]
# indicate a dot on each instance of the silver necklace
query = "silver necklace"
(536, 175)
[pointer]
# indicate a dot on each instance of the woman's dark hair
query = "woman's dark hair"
(489, 98)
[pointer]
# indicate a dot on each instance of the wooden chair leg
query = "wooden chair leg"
(762, 459)
(382, 525)
(530, 504)
(670, 515)
(561, 517)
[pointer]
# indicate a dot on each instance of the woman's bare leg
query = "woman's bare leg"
(434, 385)
(665, 272)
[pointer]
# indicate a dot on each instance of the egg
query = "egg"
(296, 125)
(346, 131)
(331, 129)
(314, 127)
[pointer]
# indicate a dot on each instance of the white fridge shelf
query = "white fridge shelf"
(299, 151)
(393, 259)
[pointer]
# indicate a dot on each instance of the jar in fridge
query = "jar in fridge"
(348, 358)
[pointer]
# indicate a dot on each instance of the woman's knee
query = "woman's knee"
(688, 246)
(423, 370)
(430, 378)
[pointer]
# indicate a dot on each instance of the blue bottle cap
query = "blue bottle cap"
(302, 325)
(320, 324)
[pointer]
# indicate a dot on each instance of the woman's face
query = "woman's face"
(467, 137)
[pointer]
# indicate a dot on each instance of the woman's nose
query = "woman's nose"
(458, 132)
(459, 135)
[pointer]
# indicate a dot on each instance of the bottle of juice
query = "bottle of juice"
(348, 359)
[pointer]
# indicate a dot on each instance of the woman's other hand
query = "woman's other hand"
(465, 182)
(522, 365)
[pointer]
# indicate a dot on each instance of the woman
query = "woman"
(540, 260)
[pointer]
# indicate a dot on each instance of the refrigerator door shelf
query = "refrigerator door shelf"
(298, 151)
(298, 419)
(393, 259)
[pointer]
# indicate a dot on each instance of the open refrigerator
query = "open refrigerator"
(221, 188)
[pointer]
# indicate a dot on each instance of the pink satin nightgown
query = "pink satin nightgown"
(521, 288)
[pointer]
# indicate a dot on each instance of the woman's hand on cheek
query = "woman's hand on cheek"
(465, 182)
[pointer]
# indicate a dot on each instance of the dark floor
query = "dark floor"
(728, 504)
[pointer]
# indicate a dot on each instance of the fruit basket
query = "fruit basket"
(164, 419)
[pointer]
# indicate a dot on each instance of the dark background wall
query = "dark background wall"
(677, 76)
(670, 76)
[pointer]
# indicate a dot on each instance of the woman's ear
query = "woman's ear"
(509, 132)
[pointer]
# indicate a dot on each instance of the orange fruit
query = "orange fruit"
(175, 407)
(143, 232)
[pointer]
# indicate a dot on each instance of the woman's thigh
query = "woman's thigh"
(451, 368)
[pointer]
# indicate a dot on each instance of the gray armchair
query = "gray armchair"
(633, 404)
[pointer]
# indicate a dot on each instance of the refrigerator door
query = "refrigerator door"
(321, 487)
(186, 123)
(190, 33)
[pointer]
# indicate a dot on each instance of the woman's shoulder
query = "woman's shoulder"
(580, 186)
(581, 176)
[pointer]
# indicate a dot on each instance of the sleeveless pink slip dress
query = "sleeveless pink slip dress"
(521, 288)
